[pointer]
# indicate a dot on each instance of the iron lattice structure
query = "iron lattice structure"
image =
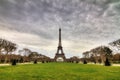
(60, 56)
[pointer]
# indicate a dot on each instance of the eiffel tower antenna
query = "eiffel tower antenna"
(60, 44)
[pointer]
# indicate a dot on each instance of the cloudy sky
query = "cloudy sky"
(85, 24)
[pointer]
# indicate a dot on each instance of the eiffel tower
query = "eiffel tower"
(60, 56)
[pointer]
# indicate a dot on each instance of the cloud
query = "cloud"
(85, 23)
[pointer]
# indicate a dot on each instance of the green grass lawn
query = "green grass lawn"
(59, 71)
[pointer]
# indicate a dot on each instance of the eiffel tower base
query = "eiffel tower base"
(60, 58)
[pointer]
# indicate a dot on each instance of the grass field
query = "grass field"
(59, 71)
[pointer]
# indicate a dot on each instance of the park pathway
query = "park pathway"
(32, 63)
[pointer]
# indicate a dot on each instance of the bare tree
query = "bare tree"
(25, 52)
(102, 51)
(86, 54)
(7, 46)
(116, 58)
(33, 55)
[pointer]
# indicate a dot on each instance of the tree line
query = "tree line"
(7, 53)
(100, 55)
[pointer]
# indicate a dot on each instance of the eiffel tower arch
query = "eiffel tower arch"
(60, 56)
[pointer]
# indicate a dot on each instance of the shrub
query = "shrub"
(43, 61)
(77, 61)
(107, 62)
(35, 61)
(21, 60)
(84, 62)
(14, 62)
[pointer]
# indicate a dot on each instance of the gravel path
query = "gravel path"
(32, 63)
(116, 65)
(4, 64)
(17, 63)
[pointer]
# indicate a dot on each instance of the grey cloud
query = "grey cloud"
(92, 20)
